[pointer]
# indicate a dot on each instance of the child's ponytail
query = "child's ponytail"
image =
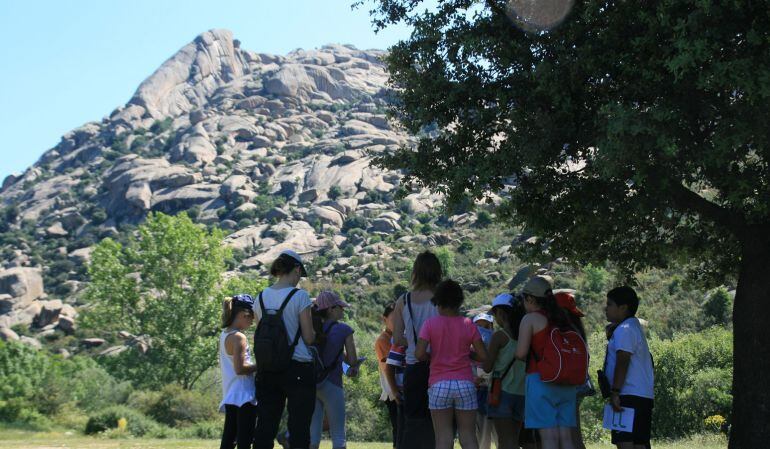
(227, 312)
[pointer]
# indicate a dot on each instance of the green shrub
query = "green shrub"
(137, 424)
(447, 259)
(693, 374)
(718, 308)
(175, 406)
(335, 192)
(483, 219)
(207, 430)
(354, 222)
(34, 383)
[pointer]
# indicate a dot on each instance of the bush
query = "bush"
(175, 406)
(335, 192)
(693, 376)
(34, 384)
(137, 424)
(718, 308)
(207, 430)
(483, 219)
(447, 259)
(354, 222)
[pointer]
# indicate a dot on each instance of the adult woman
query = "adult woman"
(293, 387)
(411, 311)
(335, 342)
(548, 407)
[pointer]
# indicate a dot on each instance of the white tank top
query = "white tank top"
(236, 389)
(413, 324)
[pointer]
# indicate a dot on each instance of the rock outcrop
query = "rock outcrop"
(276, 150)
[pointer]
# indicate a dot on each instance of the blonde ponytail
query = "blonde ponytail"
(227, 312)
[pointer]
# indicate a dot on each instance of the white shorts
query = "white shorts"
(456, 394)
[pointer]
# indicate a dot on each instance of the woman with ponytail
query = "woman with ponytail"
(549, 408)
(238, 392)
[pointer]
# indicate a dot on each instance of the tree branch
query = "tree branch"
(691, 201)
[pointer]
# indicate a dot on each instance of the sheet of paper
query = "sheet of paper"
(622, 421)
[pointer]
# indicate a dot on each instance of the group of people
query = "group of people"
(443, 375)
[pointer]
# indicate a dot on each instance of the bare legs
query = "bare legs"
(443, 421)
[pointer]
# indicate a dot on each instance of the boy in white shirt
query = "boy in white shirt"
(629, 368)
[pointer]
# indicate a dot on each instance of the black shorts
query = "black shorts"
(642, 421)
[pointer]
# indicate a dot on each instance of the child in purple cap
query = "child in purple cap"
(238, 394)
(334, 342)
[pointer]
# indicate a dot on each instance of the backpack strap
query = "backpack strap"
(408, 300)
(299, 327)
(286, 301)
(513, 360)
(262, 304)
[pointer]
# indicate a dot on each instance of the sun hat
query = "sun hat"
(484, 317)
(296, 258)
(327, 299)
(539, 286)
(503, 299)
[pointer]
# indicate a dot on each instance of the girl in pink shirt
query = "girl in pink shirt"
(451, 392)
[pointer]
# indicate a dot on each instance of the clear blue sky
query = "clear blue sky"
(65, 63)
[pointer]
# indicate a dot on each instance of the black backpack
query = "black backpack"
(272, 350)
(321, 370)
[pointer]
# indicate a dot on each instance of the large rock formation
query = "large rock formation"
(276, 149)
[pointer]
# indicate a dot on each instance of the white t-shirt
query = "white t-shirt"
(629, 337)
(300, 301)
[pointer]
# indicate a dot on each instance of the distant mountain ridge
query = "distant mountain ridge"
(276, 150)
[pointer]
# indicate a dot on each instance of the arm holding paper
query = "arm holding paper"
(621, 369)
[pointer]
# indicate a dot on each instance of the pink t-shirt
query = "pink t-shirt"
(450, 339)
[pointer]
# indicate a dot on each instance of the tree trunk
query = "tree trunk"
(751, 345)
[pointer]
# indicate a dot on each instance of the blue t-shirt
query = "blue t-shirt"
(336, 334)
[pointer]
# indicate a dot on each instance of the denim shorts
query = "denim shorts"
(549, 405)
(511, 406)
(456, 394)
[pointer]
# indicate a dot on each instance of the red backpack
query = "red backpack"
(565, 357)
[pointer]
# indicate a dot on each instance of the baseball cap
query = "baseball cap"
(327, 299)
(484, 316)
(503, 299)
(566, 300)
(287, 253)
(538, 286)
(243, 301)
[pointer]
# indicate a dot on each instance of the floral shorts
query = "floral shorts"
(456, 394)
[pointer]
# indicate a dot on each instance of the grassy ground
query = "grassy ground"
(17, 439)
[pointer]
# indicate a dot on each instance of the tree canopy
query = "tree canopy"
(629, 132)
(634, 132)
(167, 284)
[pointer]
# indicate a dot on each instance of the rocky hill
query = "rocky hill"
(276, 150)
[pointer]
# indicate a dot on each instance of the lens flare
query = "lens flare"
(538, 15)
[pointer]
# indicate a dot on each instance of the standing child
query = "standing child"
(629, 368)
(381, 349)
(451, 393)
(411, 311)
(508, 414)
(566, 300)
(394, 375)
(549, 408)
(485, 431)
(238, 393)
(335, 341)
